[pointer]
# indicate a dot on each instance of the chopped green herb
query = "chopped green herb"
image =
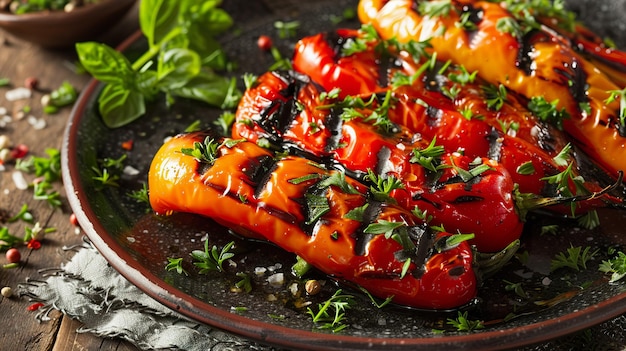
(515, 287)
(224, 122)
(549, 229)
(495, 97)
(463, 324)
(383, 227)
(475, 169)
(245, 283)
(526, 168)
(589, 220)
(548, 111)
(330, 314)
(317, 206)
(176, 264)
(463, 77)
(287, 29)
(357, 213)
(383, 186)
(615, 266)
(435, 8)
(374, 300)
(575, 258)
(205, 151)
(212, 259)
(429, 157)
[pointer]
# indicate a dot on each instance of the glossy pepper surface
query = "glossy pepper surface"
(272, 198)
(447, 190)
(534, 63)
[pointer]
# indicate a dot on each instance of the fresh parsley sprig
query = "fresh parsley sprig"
(429, 157)
(382, 186)
(615, 266)
(575, 258)
(548, 111)
(212, 258)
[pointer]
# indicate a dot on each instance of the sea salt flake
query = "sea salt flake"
(130, 171)
(18, 94)
(277, 279)
(19, 180)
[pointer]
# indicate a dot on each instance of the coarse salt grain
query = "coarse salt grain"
(131, 171)
(19, 180)
(37, 123)
(277, 279)
(4, 120)
(4, 142)
(18, 94)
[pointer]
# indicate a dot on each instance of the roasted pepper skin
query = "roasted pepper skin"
(273, 210)
(452, 202)
(538, 64)
(424, 109)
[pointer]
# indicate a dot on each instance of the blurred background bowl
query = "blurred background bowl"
(60, 29)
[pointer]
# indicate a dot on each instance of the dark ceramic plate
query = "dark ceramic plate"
(138, 243)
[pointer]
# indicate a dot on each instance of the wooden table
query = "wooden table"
(20, 61)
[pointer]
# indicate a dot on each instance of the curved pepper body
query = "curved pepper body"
(274, 210)
(539, 64)
(360, 147)
(511, 134)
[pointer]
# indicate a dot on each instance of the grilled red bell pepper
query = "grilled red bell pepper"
(512, 135)
(267, 111)
(250, 190)
(537, 63)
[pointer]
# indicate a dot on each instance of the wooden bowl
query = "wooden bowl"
(59, 29)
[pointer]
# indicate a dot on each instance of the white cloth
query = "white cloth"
(88, 289)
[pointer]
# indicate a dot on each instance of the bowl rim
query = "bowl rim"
(60, 15)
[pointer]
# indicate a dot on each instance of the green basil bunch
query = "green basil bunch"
(182, 59)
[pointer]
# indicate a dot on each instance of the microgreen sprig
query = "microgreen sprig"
(575, 258)
(615, 266)
(331, 313)
(213, 258)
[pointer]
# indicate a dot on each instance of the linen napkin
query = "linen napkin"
(89, 290)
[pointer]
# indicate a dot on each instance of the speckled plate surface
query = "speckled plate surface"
(138, 243)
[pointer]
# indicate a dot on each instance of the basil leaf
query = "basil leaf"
(176, 67)
(119, 106)
(206, 87)
(105, 63)
(158, 18)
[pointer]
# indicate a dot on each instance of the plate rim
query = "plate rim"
(273, 334)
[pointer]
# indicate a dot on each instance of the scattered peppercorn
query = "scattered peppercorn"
(6, 291)
(264, 43)
(73, 219)
(31, 83)
(13, 255)
(312, 287)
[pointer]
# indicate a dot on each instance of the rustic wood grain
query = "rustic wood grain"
(18, 61)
